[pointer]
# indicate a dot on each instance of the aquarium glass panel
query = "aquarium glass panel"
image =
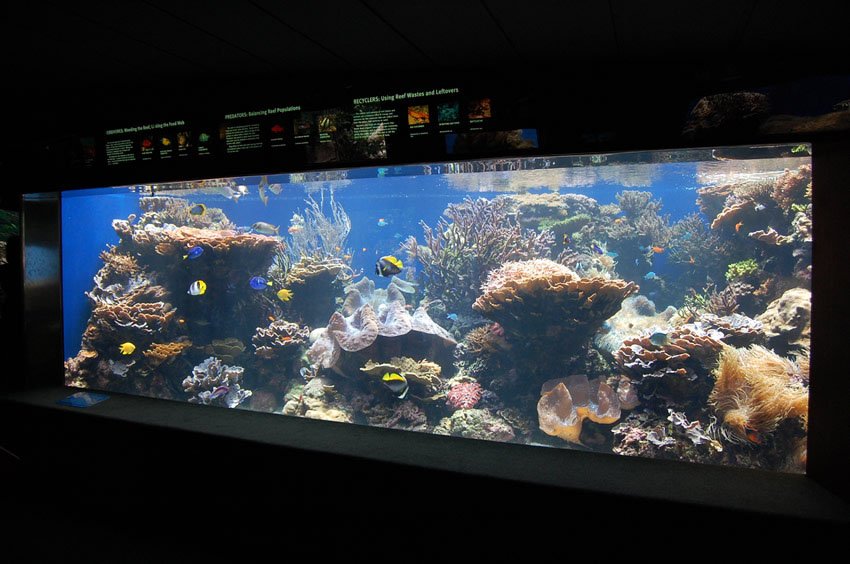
(639, 304)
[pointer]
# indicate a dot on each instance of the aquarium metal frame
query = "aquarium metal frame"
(632, 476)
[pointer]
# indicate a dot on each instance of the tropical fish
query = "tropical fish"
(198, 209)
(293, 229)
(396, 383)
(242, 190)
(147, 143)
(637, 262)
(261, 191)
(613, 254)
(382, 171)
(565, 240)
(754, 437)
(691, 260)
(275, 189)
(650, 276)
(759, 207)
(388, 266)
(264, 228)
(204, 137)
(346, 257)
(284, 295)
(193, 253)
(197, 288)
(657, 249)
(259, 283)
(659, 339)
(597, 249)
(219, 392)
(738, 226)
(618, 221)
(383, 222)
(127, 348)
(165, 141)
(452, 316)
(277, 128)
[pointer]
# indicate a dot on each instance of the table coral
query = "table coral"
(280, 339)
(566, 402)
(770, 237)
(159, 353)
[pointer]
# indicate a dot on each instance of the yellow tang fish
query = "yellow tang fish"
(127, 348)
(284, 295)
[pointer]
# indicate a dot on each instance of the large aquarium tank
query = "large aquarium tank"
(651, 304)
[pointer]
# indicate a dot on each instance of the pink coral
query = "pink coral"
(464, 395)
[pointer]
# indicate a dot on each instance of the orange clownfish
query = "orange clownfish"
(738, 226)
(754, 437)
(657, 249)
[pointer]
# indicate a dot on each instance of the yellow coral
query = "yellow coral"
(158, 353)
(755, 389)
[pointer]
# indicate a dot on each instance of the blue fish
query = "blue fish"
(452, 316)
(259, 283)
(382, 172)
(650, 276)
(193, 253)
(613, 254)
(597, 249)
(383, 222)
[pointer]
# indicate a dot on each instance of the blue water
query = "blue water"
(401, 201)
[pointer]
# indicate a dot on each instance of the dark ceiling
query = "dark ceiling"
(82, 63)
(102, 43)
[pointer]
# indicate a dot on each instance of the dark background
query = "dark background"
(591, 76)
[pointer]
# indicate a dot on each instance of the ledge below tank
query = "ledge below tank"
(140, 445)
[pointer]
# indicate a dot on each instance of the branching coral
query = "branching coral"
(791, 186)
(318, 235)
(541, 300)
(281, 339)
(743, 269)
(464, 395)
(213, 383)
(472, 238)
(709, 300)
(566, 402)
(755, 389)
(693, 243)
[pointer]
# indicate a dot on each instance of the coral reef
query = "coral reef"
(476, 424)
(422, 375)
(228, 349)
(314, 234)
(755, 389)
(543, 301)
(464, 395)
(159, 353)
(472, 238)
(380, 331)
(281, 339)
(163, 210)
(318, 399)
(214, 383)
(790, 187)
(787, 321)
(743, 269)
(636, 315)
(770, 237)
(566, 402)
(314, 283)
